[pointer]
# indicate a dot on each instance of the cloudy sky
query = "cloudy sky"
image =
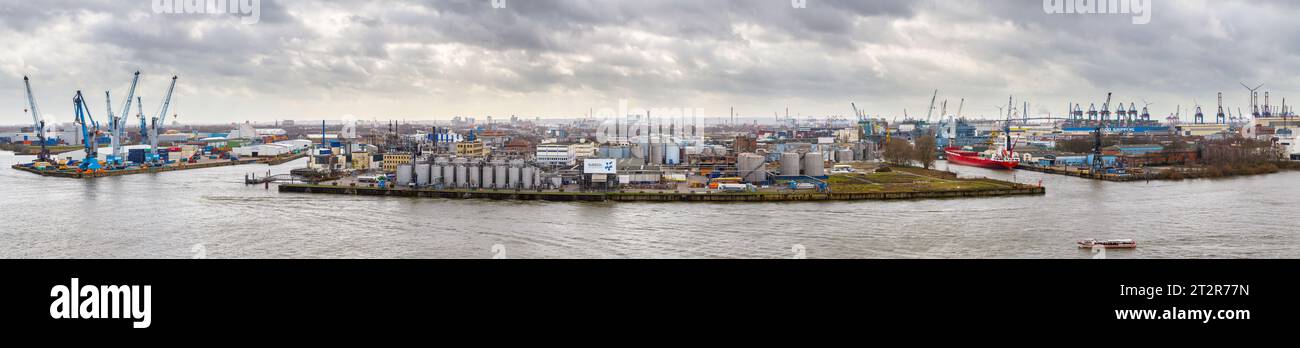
(560, 58)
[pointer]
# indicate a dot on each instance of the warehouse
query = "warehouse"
(262, 150)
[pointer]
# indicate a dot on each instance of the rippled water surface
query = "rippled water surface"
(165, 215)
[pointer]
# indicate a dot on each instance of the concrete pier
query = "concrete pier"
(654, 196)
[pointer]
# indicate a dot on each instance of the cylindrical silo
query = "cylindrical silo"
(751, 167)
(501, 170)
(475, 175)
(537, 177)
(404, 174)
(656, 153)
(462, 172)
(489, 176)
(843, 155)
(422, 174)
(672, 153)
(814, 164)
(790, 164)
(514, 177)
(526, 176)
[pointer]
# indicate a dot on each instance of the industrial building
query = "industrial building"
(262, 150)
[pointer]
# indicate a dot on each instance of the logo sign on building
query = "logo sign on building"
(599, 166)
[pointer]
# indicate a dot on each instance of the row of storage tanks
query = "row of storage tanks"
(810, 164)
(751, 167)
(465, 173)
(667, 152)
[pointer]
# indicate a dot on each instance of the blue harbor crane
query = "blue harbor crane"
(1220, 118)
(38, 121)
(117, 125)
(1105, 111)
(89, 131)
(1199, 118)
(156, 123)
(1132, 112)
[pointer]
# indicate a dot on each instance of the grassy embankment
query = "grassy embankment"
(909, 179)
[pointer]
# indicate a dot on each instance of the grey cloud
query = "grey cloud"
(438, 58)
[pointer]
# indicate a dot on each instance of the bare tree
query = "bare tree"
(926, 150)
(898, 152)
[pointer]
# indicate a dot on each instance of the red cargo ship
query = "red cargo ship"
(992, 159)
(997, 157)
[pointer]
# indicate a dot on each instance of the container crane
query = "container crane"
(38, 122)
(117, 127)
(1220, 118)
(1132, 112)
(1105, 110)
(89, 131)
(157, 123)
(1198, 117)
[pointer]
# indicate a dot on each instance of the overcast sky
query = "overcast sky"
(552, 58)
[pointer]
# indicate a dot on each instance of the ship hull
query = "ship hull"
(974, 160)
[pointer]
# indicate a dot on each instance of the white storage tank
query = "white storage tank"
(790, 164)
(422, 174)
(843, 155)
(462, 172)
(814, 164)
(435, 174)
(672, 154)
(489, 176)
(656, 153)
(527, 177)
(751, 167)
(475, 175)
(514, 177)
(404, 174)
(501, 172)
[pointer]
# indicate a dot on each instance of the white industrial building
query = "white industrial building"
(262, 150)
(296, 144)
(556, 155)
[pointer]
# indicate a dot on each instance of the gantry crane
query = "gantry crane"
(1220, 118)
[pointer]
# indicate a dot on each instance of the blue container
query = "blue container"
(136, 155)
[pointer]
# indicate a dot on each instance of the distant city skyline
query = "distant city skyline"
(434, 60)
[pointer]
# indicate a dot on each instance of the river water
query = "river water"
(211, 213)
